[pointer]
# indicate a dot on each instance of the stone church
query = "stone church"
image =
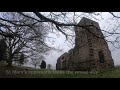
(91, 51)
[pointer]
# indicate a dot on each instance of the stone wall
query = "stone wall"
(91, 50)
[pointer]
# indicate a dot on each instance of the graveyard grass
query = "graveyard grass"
(28, 72)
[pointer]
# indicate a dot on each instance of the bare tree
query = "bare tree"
(63, 22)
(3, 48)
(23, 35)
(49, 66)
(36, 61)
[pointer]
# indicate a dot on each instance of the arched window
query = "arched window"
(101, 57)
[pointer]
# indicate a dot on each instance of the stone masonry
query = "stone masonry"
(91, 51)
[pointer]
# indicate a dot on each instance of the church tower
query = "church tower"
(91, 51)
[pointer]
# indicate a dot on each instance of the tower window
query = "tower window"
(101, 57)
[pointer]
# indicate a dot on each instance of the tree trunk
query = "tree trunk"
(35, 65)
(9, 63)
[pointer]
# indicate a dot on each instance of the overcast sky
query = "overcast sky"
(105, 23)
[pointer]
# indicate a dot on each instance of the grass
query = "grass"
(27, 72)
